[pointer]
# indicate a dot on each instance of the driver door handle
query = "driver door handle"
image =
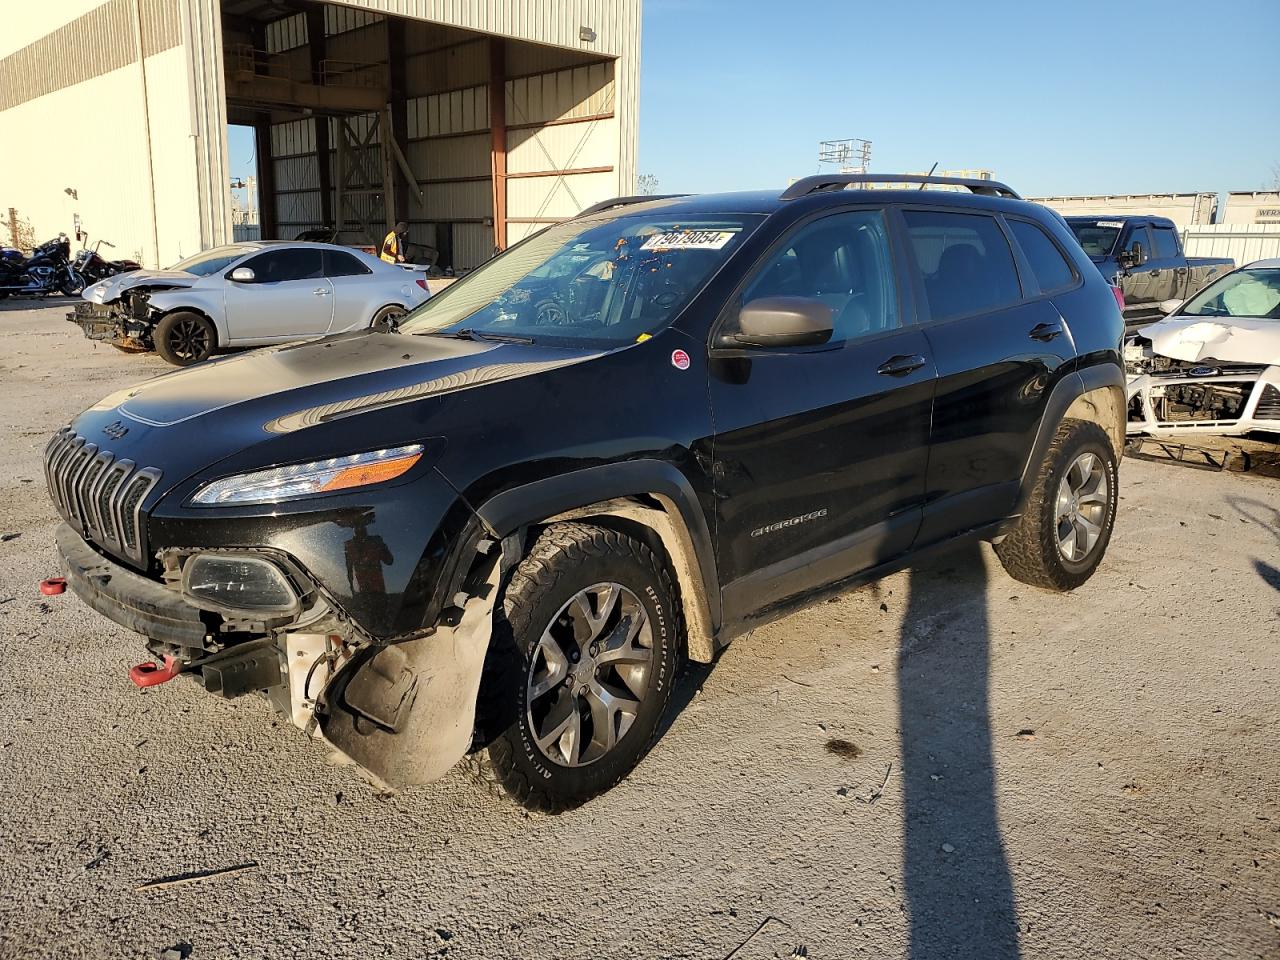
(1045, 331)
(321, 291)
(901, 365)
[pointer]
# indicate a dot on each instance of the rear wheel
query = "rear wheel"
(1066, 526)
(183, 338)
(387, 319)
(581, 672)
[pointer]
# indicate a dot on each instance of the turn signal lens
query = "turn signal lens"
(304, 479)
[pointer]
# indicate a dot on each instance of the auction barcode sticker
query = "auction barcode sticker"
(688, 240)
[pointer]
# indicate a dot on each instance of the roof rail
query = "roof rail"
(624, 202)
(823, 182)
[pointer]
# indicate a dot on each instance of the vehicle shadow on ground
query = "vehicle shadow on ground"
(19, 304)
(1267, 517)
(959, 891)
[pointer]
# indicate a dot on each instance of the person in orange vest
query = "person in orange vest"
(391, 248)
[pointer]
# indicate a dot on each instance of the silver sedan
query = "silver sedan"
(248, 294)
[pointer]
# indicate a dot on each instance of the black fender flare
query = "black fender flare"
(508, 511)
(1074, 390)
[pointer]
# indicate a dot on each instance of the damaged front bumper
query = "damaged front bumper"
(403, 711)
(1204, 399)
(110, 322)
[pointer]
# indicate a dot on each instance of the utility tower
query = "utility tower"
(846, 156)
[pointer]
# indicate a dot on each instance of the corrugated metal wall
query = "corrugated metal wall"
(564, 137)
(164, 195)
(1242, 242)
(158, 188)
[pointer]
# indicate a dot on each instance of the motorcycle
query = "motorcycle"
(46, 271)
(90, 266)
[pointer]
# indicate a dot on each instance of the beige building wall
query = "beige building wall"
(100, 98)
(1182, 208)
(124, 101)
(1254, 206)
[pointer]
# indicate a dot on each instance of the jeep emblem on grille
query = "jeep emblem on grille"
(115, 430)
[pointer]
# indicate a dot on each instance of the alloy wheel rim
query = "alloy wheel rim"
(588, 675)
(1081, 508)
(189, 339)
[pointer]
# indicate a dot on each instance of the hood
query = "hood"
(1229, 339)
(105, 291)
(183, 421)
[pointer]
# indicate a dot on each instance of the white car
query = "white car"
(1212, 366)
(245, 295)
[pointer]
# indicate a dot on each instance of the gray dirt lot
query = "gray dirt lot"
(1083, 776)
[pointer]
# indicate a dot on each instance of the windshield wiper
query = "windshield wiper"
(467, 333)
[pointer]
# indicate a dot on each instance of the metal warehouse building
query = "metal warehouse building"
(475, 121)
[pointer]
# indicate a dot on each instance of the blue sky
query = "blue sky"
(1127, 96)
(1074, 96)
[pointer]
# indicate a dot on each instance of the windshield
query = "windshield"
(1097, 237)
(211, 261)
(594, 282)
(1245, 293)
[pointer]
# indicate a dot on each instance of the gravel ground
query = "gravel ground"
(944, 764)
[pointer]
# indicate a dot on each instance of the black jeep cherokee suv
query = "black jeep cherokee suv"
(635, 435)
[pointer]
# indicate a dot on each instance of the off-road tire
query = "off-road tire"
(1030, 552)
(168, 332)
(566, 558)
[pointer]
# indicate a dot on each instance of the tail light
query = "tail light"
(1119, 295)
(423, 284)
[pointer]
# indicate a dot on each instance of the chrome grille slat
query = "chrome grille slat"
(99, 494)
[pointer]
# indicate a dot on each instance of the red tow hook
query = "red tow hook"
(53, 586)
(152, 674)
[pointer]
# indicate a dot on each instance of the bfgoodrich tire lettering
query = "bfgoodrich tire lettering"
(1076, 489)
(566, 560)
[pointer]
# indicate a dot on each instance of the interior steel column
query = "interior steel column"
(498, 129)
(317, 46)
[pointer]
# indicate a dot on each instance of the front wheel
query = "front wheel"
(71, 284)
(1064, 531)
(579, 676)
(183, 338)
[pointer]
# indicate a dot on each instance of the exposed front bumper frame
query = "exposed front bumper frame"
(1143, 386)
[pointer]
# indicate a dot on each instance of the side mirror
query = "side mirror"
(784, 322)
(1135, 256)
(242, 275)
(1169, 306)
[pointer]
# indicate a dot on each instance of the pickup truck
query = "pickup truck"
(1143, 256)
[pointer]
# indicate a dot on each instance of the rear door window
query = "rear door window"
(1051, 269)
(1166, 243)
(277, 266)
(966, 262)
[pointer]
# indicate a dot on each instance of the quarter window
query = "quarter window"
(1050, 267)
(1166, 243)
(339, 264)
(276, 266)
(966, 262)
(842, 261)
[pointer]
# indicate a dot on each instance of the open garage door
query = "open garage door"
(364, 119)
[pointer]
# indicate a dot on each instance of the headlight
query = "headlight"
(303, 479)
(238, 583)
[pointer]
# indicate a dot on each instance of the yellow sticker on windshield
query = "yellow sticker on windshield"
(689, 240)
(643, 337)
